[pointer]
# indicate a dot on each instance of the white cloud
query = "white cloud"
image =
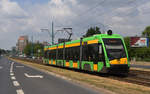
(117, 19)
(125, 10)
(15, 21)
(11, 9)
(144, 9)
(11, 15)
(12, 20)
(124, 17)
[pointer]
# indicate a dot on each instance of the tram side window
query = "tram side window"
(45, 54)
(53, 54)
(85, 53)
(72, 53)
(76, 53)
(90, 52)
(61, 56)
(67, 53)
(95, 52)
(50, 55)
(60, 53)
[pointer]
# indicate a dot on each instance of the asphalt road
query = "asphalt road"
(16, 78)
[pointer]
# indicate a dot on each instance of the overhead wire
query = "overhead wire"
(88, 10)
(104, 14)
(91, 9)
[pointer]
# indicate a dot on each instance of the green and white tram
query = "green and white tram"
(98, 53)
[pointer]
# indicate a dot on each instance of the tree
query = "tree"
(130, 50)
(91, 31)
(36, 48)
(127, 41)
(2, 51)
(146, 31)
(28, 49)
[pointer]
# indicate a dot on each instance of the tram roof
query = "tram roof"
(97, 36)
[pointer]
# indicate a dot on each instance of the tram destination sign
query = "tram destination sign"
(139, 42)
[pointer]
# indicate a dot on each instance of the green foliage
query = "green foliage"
(127, 41)
(28, 49)
(2, 51)
(91, 31)
(38, 49)
(146, 31)
(35, 48)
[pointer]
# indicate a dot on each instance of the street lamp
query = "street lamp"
(51, 35)
(43, 30)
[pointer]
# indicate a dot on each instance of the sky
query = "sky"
(28, 17)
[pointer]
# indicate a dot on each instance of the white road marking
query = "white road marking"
(19, 91)
(1, 67)
(16, 83)
(11, 67)
(13, 78)
(19, 66)
(33, 76)
(11, 74)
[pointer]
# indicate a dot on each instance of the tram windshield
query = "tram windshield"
(114, 48)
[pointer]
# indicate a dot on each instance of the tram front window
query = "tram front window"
(115, 48)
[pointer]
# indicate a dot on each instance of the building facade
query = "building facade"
(21, 44)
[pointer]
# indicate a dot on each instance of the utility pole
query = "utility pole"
(32, 46)
(52, 33)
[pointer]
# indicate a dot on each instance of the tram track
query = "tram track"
(135, 77)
